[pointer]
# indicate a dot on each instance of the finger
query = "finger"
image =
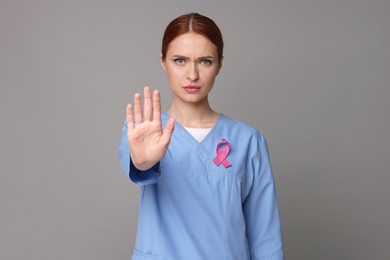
(137, 109)
(129, 117)
(168, 130)
(147, 104)
(156, 106)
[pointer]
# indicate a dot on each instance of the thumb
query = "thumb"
(168, 130)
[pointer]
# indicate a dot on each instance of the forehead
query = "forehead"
(191, 44)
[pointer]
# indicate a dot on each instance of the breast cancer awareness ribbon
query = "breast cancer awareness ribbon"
(223, 148)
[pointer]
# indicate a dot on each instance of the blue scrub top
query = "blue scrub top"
(191, 208)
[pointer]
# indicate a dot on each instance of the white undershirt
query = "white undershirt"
(198, 133)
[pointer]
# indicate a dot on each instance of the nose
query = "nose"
(192, 73)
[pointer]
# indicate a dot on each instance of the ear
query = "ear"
(220, 65)
(162, 62)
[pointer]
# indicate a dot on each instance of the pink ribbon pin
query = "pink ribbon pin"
(223, 149)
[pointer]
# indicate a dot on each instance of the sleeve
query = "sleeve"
(260, 207)
(141, 178)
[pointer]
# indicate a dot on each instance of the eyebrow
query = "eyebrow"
(187, 58)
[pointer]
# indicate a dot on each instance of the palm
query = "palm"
(148, 143)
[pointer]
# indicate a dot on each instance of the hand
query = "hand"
(148, 143)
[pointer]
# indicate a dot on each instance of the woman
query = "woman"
(207, 190)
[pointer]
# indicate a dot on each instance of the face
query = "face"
(191, 65)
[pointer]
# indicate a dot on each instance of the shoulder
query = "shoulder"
(246, 139)
(239, 127)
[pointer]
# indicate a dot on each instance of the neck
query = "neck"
(193, 115)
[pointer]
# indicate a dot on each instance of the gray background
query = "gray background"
(313, 76)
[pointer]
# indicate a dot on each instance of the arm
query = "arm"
(261, 208)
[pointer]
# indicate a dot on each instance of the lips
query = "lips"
(192, 89)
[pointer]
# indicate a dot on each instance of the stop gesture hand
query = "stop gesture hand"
(148, 143)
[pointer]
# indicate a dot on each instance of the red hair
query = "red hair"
(193, 22)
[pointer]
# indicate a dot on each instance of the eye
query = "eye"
(179, 61)
(206, 62)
